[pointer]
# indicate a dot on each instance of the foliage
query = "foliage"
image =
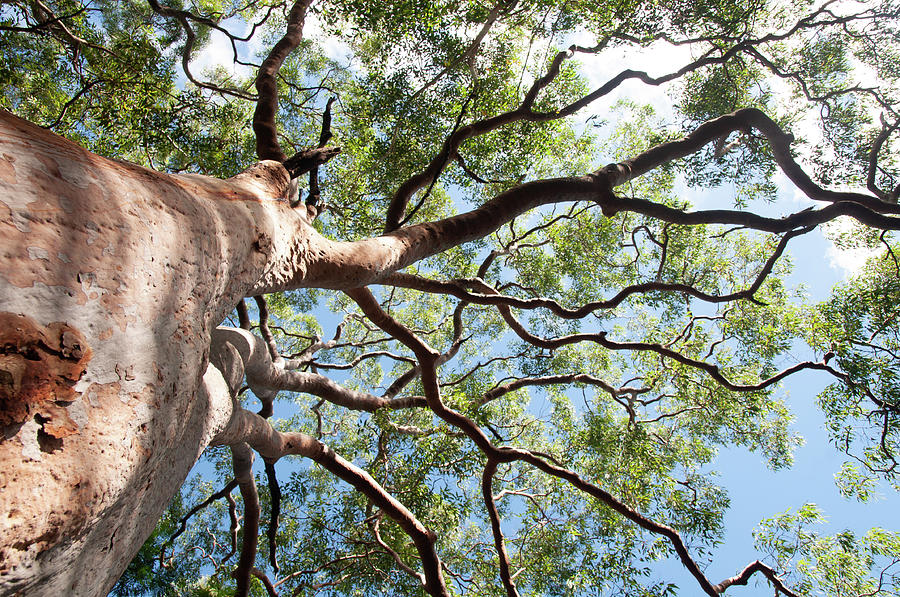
(857, 325)
(647, 342)
(840, 564)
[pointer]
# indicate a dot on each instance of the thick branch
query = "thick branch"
(242, 459)
(490, 468)
(339, 265)
(267, 145)
(886, 130)
(712, 130)
(309, 160)
(405, 191)
(744, 576)
(266, 377)
(314, 192)
(272, 530)
(524, 111)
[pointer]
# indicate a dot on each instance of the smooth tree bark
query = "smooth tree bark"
(111, 278)
(115, 374)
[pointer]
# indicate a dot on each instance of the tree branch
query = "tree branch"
(242, 460)
(267, 583)
(338, 265)
(182, 523)
(427, 357)
(184, 18)
(487, 477)
(886, 130)
(491, 296)
(744, 576)
(266, 377)
(308, 160)
(314, 193)
(267, 145)
(272, 530)
(271, 444)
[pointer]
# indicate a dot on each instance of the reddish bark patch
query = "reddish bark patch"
(38, 366)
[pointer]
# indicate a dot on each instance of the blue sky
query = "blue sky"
(756, 492)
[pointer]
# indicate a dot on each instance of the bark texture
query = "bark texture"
(112, 277)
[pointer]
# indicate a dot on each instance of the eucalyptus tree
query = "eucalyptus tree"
(493, 346)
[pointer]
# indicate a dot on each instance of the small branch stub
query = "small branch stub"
(306, 160)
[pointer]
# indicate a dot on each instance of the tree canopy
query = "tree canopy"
(535, 406)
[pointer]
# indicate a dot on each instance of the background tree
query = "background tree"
(506, 367)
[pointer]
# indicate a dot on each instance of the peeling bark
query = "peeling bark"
(38, 367)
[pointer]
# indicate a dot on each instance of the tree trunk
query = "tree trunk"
(112, 277)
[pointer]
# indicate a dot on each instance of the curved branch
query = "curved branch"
(490, 468)
(710, 369)
(374, 523)
(182, 523)
(886, 131)
(267, 145)
(343, 265)
(744, 576)
(450, 147)
(184, 18)
(267, 583)
(266, 377)
(490, 296)
(356, 361)
(267, 399)
(252, 429)
(427, 356)
(272, 529)
(524, 111)
(743, 119)
(47, 20)
(548, 380)
(407, 377)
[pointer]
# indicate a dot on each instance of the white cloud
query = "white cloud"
(657, 59)
(849, 259)
(334, 48)
(788, 191)
(219, 53)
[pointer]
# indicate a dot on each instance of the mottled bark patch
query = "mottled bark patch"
(38, 366)
(7, 171)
